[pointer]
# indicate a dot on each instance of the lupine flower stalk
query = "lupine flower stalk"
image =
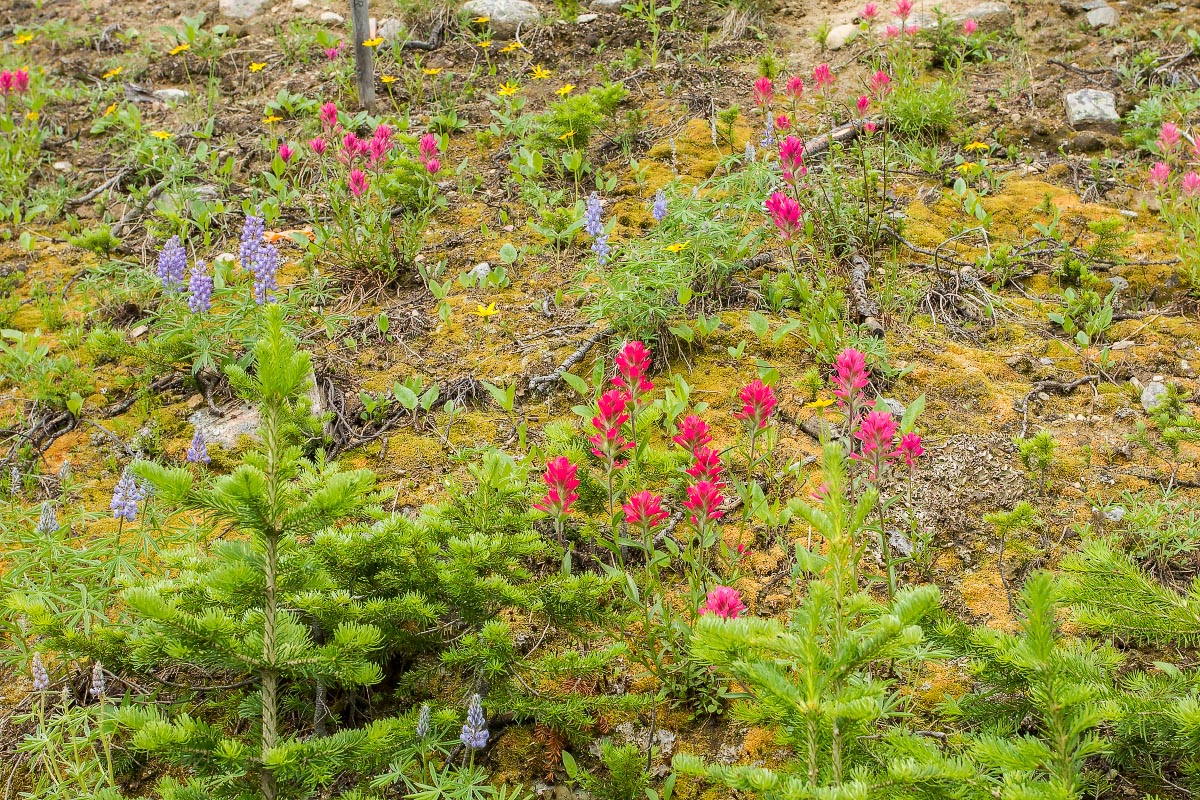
(48, 520)
(41, 678)
(125, 499)
(200, 288)
(172, 263)
(474, 732)
(593, 226)
(659, 209)
(197, 452)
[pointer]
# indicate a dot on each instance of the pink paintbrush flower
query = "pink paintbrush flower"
(723, 601)
(758, 402)
(785, 213)
(693, 434)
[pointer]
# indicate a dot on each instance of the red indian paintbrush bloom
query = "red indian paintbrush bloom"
(632, 362)
(1168, 137)
(644, 510)
(707, 467)
(791, 158)
(693, 434)
(880, 83)
(286, 153)
(428, 146)
(724, 601)
(903, 9)
(608, 442)
(822, 77)
(795, 87)
(561, 483)
(764, 92)
(785, 213)
(877, 434)
(849, 379)
(318, 146)
(911, 449)
(357, 182)
(329, 117)
(704, 500)
(758, 401)
(1160, 175)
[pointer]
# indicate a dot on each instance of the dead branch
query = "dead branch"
(1058, 387)
(819, 145)
(865, 308)
(542, 383)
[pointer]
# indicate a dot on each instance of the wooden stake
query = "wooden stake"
(364, 70)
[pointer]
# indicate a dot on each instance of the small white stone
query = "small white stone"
(1154, 395)
(1103, 17)
(63, 166)
(583, 19)
(332, 18)
(300, 5)
(172, 95)
(839, 36)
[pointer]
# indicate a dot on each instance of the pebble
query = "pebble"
(584, 19)
(332, 17)
(840, 35)
(242, 9)
(172, 95)
(609, 6)
(504, 16)
(63, 166)
(300, 5)
(1154, 395)
(990, 17)
(1092, 108)
(481, 271)
(389, 29)
(1103, 17)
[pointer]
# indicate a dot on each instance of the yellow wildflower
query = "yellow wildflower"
(511, 46)
(563, 91)
(482, 20)
(387, 79)
(378, 40)
(271, 119)
(111, 108)
(33, 116)
(485, 44)
(179, 48)
(976, 146)
(539, 73)
(678, 247)
(483, 313)
(23, 38)
(112, 73)
(160, 134)
(431, 70)
(507, 89)
(258, 66)
(566, 136)
(966, 166)
(820, 402)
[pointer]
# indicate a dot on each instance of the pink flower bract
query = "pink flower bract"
(910, 448)
(785, 213)
(758, 402)
(693, 434)
(724, 601)
(644, 510)
(561, 483)
(632, 362)
(704, 499)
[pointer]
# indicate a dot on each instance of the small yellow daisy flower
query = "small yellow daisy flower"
(23, 38)
(271, 119)
(160, 134)
(507, 89)
(112, 73)
(111, 108)
(976, 146)
(511, 46)
(378, 40)
(563, 91)
(678, 247)
(387, 79)
(431, 70)
(820, 402)
(539, 73)
(482, 20)
(33, 116)
(258, 66)
(179, 48)
(483, 313)
(966, 166)
(567, 135)
(485, 44)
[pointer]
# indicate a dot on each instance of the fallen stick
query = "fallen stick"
(542, 383)
(819, 145)
(1058, 387)
(865, 308)
(433, 43)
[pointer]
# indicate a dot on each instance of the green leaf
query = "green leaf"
(758, 324)
(508, 253)
(569, 765)
(575, 382)
(911, 413)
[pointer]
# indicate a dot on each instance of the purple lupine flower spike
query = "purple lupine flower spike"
(659, 211)
(200, 288)
(97, 688)
(475, 732)
(197, 452)
(48, 522)
(41, 678)
(125, 499)
(264, 266)
(172, 263)
(593, 226)
(252, 240)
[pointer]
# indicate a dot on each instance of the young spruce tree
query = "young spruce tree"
(225, 614)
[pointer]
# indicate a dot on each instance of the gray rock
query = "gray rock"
(1118, 283)
(584, 19)
(607, 6)
(62, 166)
(894, 407)
(332, 17)
(504, 16)
(989, 17)
(172, 95)
(1092, 5)
(227, 430)
(481, 271)
(390, 29)
(1166, 8)
(1115, 514)
(242, 9)
(900, 543)
(1153, 396)
(841, 35)
(1103, 17)
(1092, 109)
(300, 5)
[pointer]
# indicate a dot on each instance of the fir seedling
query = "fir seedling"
(1037, 454)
